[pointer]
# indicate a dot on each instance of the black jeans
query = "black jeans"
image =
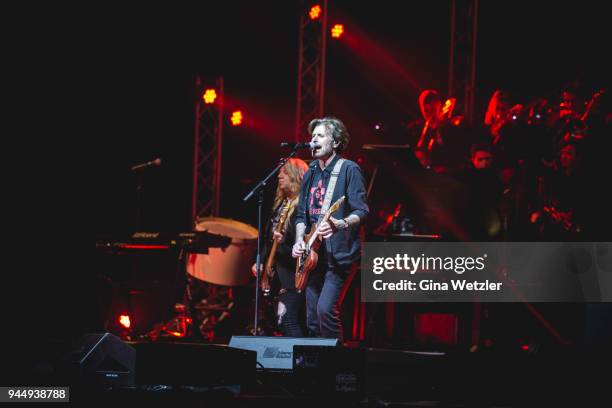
(290, 308)
(323, 299)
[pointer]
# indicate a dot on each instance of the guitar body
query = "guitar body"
(306, 264)
(308, 261)
(269, 270)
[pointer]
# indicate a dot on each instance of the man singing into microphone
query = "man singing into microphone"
(341, 245)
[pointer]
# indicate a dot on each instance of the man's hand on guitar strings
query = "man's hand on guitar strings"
(298, 248)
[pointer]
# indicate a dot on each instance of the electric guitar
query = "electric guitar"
(308, 260)
(269, 269)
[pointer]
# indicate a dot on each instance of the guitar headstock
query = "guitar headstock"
(283, 215)
(285, 210)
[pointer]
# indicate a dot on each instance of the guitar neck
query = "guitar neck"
(279, 229)
(311, 237)
(272, 255)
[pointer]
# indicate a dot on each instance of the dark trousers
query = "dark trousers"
(322, 299)
(290, 306)
(290, 303)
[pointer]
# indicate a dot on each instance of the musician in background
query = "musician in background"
(564, 195)
(437, 135)
(427, 128)
(505, 129)
(498, 113)
(290, 302)
(484, 189)
(481, 156)
(341, 245)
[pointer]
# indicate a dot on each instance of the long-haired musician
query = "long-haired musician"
(290, 302)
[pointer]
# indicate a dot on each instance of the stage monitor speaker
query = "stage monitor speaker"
(330, 371)
(101, 362)
(276, 353)
(193, 364)
(354, 373)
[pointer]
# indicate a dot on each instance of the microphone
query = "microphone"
(156, 162)
(295, 145)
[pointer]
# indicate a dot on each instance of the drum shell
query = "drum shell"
(228, 266)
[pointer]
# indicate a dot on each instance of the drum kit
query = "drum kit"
(225, 266)
(219, 270)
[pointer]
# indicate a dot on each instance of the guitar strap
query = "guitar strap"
(331, 186)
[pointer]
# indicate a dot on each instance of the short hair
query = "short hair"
(337, 129)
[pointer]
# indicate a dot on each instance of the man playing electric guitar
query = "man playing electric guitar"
(328, 178)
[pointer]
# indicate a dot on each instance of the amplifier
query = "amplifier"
(276, 353)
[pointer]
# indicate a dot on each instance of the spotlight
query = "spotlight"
(236, 118)
(124, 320)
(315, 12)
(337, 30)
(209, 96)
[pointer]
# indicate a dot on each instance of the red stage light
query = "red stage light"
(525, 347)
(236, 118)
(124, 320)
(315, 12)
(209, 96)
(337, 30)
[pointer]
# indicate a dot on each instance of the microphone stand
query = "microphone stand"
(259, 188)
(139, 201)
